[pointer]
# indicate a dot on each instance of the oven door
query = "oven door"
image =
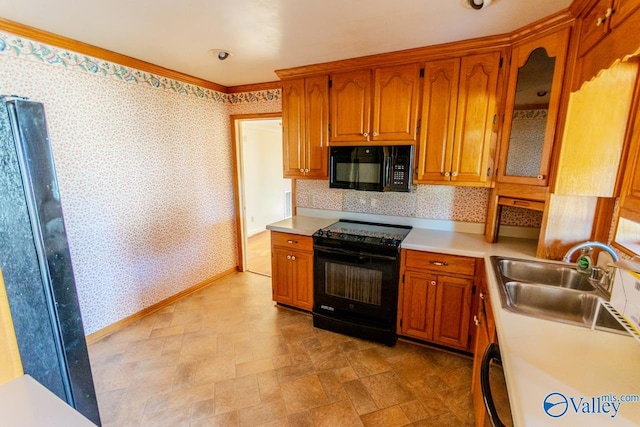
(354, 284)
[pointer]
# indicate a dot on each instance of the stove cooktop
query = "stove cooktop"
(365, 233)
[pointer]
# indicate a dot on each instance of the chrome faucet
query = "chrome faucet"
(604, 277)
(570, 252)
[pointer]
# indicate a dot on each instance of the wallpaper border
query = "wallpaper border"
(24, 48)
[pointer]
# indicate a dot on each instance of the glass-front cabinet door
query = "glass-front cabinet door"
(532, 103)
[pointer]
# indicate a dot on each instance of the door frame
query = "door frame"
(238, 179)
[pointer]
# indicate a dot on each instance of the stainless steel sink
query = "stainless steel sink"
(544, 273)
(551, 291)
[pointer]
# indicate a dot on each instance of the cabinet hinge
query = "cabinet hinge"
(403, 278)
(473, 290)
(421, 72)
(329, 127)
(501, 61)
(488, 171)
(495, 119)
(330, 83)
(401, 322)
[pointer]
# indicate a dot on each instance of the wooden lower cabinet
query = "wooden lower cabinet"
(436, 294)
(292, 269)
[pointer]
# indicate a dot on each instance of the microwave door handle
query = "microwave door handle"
(387, 172)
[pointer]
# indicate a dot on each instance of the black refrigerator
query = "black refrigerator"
(35, 260)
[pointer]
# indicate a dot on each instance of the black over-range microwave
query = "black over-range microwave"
(371, 168)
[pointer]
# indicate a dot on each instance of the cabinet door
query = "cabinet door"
(418, 304)
(622, 9)
(452, 311)
(351, 106)
(282, 276)
(595, 25)
(475, 116)
(316, 127)
(439, 100)
(293, 124)
(302, 284)
(395, 103)
(529, 130)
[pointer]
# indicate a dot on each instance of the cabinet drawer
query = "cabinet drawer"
(440, 262)
(292, 241)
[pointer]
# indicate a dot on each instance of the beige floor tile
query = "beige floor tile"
(339, 414)
(113, 376)
(254, 367)
(360, 397)
(303, 393)
(236, 393)
(367, 362)
(388, 417)
(387, 389)
(269, 386)
(263, 413)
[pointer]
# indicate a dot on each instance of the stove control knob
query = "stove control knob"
(383, 240)
(328, 233)
(320, 232)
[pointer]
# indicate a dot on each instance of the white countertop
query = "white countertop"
(539, 357)
(24, 402)
(303, 225)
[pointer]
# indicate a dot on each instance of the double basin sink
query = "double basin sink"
(552, 291)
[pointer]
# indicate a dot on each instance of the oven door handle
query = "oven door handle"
(491, 353)
(354, 253)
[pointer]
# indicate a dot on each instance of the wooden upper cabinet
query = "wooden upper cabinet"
(532, 104)
(458, 108)
(305, 121)
(396, 100)
(317, 126)
(475, 116)
(293, 127)
(603, 16)
(375, 106)
(439, 101)
(351, 106)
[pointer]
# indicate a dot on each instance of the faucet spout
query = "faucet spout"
(609, 249)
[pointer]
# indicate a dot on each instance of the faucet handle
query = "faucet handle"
(597, 273)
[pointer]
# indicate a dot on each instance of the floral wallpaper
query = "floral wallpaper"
(145, 173)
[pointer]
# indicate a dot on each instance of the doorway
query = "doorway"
(264, 196)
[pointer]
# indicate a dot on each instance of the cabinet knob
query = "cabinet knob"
(306, 171)
(292, 242)
(447, 174)
(599, 21)
(433, 283)
(301, 170)
(481, 295)
(293, 257)
(476, 321)
(288, 256)
(540, 177)
(366, 135)
(438, 263)
(454, 173)
(608, 13)
(375, 134)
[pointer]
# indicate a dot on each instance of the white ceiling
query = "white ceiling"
(266, 35)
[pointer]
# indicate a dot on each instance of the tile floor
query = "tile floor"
(227, 356)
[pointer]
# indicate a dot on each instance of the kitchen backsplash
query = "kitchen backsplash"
(442, 202)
